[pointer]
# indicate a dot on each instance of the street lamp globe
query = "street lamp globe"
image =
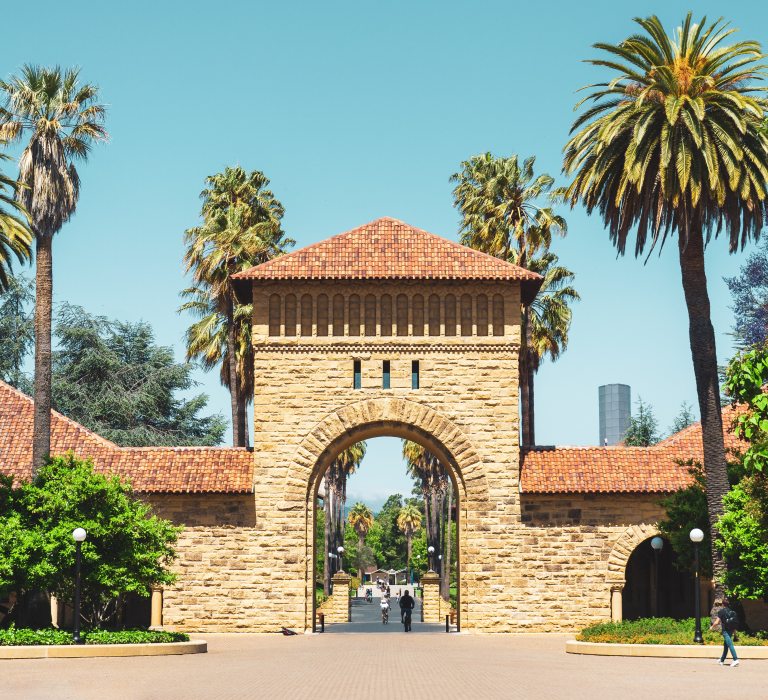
(431, 549)
(657, 543)
(341, 550)
(78, 534)
(696, 535)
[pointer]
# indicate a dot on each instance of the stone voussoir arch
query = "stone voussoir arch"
(622, 550)
(346, 425)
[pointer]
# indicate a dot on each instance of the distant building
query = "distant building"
(615, 412)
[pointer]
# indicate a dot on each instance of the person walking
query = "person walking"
(406, 609)
(728, 621)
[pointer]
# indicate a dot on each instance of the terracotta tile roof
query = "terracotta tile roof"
(390, 249)
(150, 469)
(618, 469)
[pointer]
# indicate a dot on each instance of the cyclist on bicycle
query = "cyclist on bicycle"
(384, 611)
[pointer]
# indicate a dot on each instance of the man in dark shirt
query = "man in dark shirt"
(727, 620)
(406, 608)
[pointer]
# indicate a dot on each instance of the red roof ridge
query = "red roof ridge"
(4, 386)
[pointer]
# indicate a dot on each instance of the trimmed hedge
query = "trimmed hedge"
(54, 637)
(661, 630)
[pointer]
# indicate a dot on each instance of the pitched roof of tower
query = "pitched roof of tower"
(620, 469)
(391, 249)
(150, 469)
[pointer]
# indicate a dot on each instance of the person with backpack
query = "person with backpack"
(728, 621)
(406, 609)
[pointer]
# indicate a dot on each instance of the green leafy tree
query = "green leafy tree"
(361, 519)
(392, 540)
(63, 118)
(128, 548)
(409, 521)
(683, 419)
(111, 377)
(17, 337)
(15, 236)
(241, 228)
(643, 429)
(673, 142)
(500, 202)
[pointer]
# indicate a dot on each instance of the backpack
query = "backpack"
(730, 620)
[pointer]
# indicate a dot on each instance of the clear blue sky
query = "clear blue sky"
(355, 111)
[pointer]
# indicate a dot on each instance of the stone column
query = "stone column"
(430, 598)
(338, 611)
(156, 617)
(616, 604)
(54, 611)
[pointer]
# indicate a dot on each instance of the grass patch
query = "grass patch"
(661, 630)
(54, 637)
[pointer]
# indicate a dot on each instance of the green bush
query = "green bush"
(28, 637)
(659, 630)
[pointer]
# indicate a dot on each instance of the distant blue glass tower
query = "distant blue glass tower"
(615, 412)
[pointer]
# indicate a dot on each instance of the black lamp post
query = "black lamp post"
(78, 534)
(431, 552)
(340, 550)
(696, 537)
(656, 544)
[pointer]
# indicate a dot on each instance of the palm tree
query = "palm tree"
(434, 482)
(64, 120)
(409, 521)
(673, 144)
(361, 519)
(15, 236)
(498, 201)
(241, 228)
(207, 341)
(549, 321)
(335, 498)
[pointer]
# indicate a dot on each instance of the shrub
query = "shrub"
(658, 630)
(28, 637)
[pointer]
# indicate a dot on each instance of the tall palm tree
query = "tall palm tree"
(409, 521)
(549, 321)
(335, 498)
(361, 519)
(207, 341)
(672, 144)
(64, 119)
(500, 205)
(241, 228)
(15, 236)
(433, 481)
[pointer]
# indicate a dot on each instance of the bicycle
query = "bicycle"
(385, 616)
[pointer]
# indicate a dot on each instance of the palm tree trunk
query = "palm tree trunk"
(525, 397)
(327, 533)
(408, 544)
(446, 583)
(531, 403)
(234, 394)
(360, 543)
(704, 355)
(41, 438)
(242, 416)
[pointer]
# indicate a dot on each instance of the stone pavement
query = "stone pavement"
(366, 666)
(366, 618)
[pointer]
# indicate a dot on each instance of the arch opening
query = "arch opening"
(385, 557)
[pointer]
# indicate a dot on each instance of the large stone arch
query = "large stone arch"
(622, 550)
(382, 416)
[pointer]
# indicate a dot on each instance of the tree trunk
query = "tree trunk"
(530, 418)
(360, 544)
(41, 437)
(326, 557)
(525, 428)
(234, 393)
(242, 416)
(704, 355)
(408, 544)
(446, 582)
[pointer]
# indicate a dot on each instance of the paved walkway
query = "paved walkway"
(366, 618)
(440, 666)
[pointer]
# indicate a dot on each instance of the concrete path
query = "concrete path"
(366, 618)
(368, 666)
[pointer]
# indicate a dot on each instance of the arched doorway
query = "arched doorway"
(654, 586)
(444, 536)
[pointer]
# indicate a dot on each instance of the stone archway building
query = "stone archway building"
(387, 330)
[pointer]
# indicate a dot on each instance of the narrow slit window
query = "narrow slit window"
(385, 375)
(415, 374)
(357, 379)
